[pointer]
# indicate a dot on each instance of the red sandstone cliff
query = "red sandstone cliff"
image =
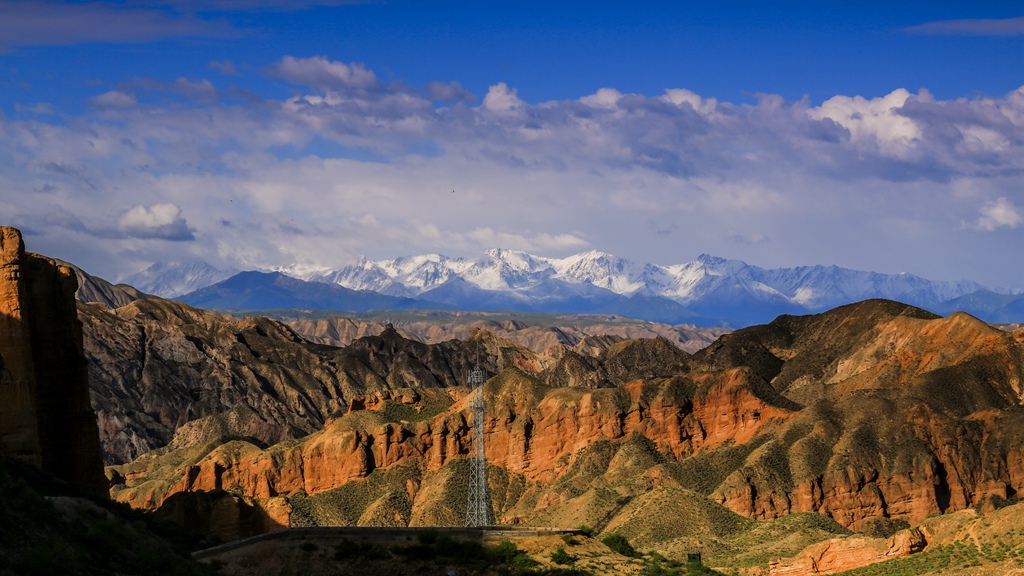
(45, 412)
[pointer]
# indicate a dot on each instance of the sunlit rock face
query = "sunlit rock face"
(45, 412)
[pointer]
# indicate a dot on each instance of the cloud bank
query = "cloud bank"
(348, 165)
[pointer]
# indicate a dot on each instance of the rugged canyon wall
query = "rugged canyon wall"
(873, 411)
(45, 412)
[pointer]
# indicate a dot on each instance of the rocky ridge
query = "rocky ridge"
(551, 335)
(161, 368)
(871, 411)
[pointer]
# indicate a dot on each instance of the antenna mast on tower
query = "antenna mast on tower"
(477, 509)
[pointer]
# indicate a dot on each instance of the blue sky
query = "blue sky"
(261, 133)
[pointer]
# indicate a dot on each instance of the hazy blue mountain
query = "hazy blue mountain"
(707, 290)
(986, 305)
(266, 290)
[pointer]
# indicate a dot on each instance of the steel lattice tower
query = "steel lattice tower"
(477, 508)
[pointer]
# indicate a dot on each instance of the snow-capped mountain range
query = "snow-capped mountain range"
(706, 290)
(173, 279)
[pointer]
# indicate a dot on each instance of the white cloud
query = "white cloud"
(877, 120)
(603, 98)
(543, 243)
(501, 99)
(680, 96)
(351, 166)
(323, 74)
(159, 221)
(114, 99)
(448, 92)
(1000, 213)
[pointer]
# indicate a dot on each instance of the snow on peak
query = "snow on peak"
(520, 274)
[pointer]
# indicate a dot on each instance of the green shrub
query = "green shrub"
(504, 553)
(884, 527)
(560, 556)
(587, 530)
(620, 544)
(523, 563)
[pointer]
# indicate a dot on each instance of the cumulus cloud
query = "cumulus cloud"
(606, 98)
(876, 121)
(1000, 213)
(501, 99)
(321, 73)
(158, 221)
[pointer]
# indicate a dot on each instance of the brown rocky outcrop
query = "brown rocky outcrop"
(533, 431)
(839, 555)
(909, 414)
(157, 365)
(45, 412)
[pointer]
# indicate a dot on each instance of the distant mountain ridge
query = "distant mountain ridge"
(706, 291)
(269, 290)
(173, 279)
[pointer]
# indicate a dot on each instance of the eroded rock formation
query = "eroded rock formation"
(874, 410)
(45, 412)
(839, 555)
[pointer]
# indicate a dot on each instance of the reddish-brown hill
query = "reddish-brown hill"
(871, 411)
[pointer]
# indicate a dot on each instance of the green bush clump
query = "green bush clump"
(507, 554)
(503, 553)
(620, 544)
(560, 556)
(884, 527)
